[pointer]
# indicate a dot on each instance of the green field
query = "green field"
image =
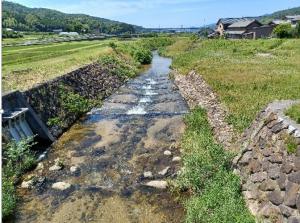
(25, 66)
(246, 74)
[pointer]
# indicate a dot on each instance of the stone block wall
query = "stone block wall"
(270, 174)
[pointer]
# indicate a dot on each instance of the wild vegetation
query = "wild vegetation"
(287, 31)
(246, 74)
(17, 158)
(21, 18)
(215, 189)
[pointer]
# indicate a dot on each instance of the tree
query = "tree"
(9, 22)
(283, 31)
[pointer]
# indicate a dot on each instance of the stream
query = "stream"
(110, 149)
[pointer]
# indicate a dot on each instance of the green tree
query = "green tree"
(9, 22)
(31, 20)
(283, 31)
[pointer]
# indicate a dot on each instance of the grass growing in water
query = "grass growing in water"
(216, 194)
(246, 74)
(294, 112)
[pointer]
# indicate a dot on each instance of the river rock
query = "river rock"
(164, 171)
(27, 184)
(159, 184)
(167, 153)
(148, 174)
(55, 168)
(176, 159)
(74, 169)
(61, 186)
(39, 167)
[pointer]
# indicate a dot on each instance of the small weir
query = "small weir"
(16, 124)
(111, 154)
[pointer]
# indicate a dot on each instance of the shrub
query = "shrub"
(18, 158)
(142, 56)
(11, 34)
(283, 31)
(72, 102)
(116, 65)
(9, 198)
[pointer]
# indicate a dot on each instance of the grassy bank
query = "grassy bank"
(25, 66)
(294, 113)
(246, 74)
(215, 190)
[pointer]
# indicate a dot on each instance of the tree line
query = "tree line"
(22, 18)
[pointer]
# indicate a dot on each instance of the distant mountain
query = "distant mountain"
(22, 18)
(279, 14)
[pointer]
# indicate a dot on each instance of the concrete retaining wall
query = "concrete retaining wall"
(90, 82)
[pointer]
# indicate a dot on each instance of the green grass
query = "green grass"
(294, 112)
(216, 192)
(245, 79)
(25, 66)
(28, 37)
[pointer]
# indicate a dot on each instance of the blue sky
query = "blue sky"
(165, 13)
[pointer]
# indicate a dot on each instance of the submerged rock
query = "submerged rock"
(164, 171)
(176, 159)
(61, 186)
(74, 169)
(27, 184)
(58, 165)
(159, 184)
(167, 153)
(148, 174)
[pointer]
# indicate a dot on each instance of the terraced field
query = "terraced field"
(25, 66)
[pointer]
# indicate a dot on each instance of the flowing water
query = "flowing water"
(113, 146)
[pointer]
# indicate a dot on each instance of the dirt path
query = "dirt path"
(110, 155)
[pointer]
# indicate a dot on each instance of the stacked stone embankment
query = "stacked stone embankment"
(269, 165)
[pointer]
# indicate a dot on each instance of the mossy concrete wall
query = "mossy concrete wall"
(49, 101)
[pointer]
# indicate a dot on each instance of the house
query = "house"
(239, 28)
(294, 19)
(277, 22)
(68, 34)
(57, 30)
(224, 23)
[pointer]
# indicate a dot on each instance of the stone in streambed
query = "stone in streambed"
(159, 184)
(167, 153)
(61, 186)
(164, 171)
(176, 159)
(148, 174)
(74, 169)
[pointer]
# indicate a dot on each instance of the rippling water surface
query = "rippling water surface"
(113, 146)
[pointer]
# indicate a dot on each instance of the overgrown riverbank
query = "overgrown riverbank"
(215, 190)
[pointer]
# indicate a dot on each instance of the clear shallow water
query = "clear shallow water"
(113, 146)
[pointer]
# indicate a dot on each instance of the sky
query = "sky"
(165, 13)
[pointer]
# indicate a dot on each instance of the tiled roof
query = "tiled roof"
(241, 24)
(233, 20)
